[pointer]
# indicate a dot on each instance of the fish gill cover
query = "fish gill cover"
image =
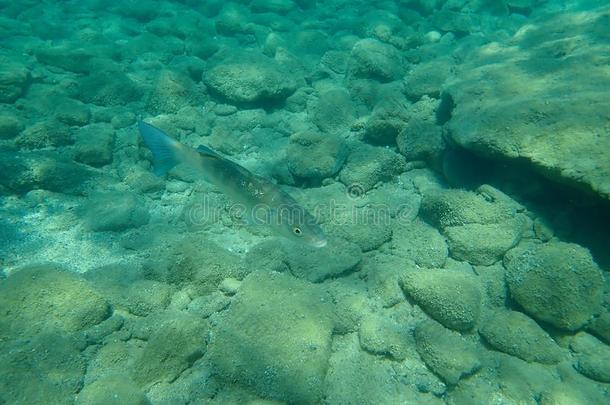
(453, 154)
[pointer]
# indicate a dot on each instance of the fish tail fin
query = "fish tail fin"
(165, 150)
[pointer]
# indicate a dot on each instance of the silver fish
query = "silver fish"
(263, 200)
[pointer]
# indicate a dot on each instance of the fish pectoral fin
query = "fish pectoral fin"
(204, 150)
(163, 148)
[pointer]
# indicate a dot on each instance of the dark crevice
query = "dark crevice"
(575, 214)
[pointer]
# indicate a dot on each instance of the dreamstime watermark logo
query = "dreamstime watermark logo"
(334, 211)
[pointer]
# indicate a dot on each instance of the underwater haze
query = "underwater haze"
(305, 202)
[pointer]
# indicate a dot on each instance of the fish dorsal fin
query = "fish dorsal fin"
(204, 150)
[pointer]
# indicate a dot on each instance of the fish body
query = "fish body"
(262, 201)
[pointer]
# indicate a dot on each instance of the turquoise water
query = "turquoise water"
(397, 202)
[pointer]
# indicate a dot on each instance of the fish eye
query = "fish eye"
(296, 230)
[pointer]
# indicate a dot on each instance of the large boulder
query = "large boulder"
(541, 97)
(518, 335)
(452, 298)
(49, 298)
(275, 337)
(255, 79)
(555, 282)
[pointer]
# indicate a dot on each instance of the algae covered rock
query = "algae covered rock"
(357, 377)
(45, 368)
(44, 170)
(108, 88)
(172, 91)
(480, 227)
(44, 134)
(128, 290)
(539, 98)
(10, 125)
(114, 211)
(518, 335)
(339, 256)
(115, 389)
(314, 156)
(177, 340)
(94, 145)
(372, 59)
(256, 79)
(593, 357)
(49, 298)
(452, 298)
(446, 352)
(275, 337)
(387, 120)
(421, 137)
(332, 110)
(420, 242)
(382, 335)
(14, 79)
(368, 165)
(555, 282)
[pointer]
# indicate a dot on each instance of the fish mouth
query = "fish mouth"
(319, 243)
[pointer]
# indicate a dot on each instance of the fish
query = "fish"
(263, 201)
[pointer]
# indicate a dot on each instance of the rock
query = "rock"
(332, 111)
(350, 304)
(66, 57)
(229, 286)
(232, 21)
(44, 134)
(14, 79)
(42, 368)
(10, 125)
(494, 285)
(255, 79)
(445, 352)
(484, 243)
(275, 337)
(387, 120)
(456, 207)
(272, 6)
(593, 357)
(480, 228)
(172, 91)
(206, 305)
(44, 170)
(115, 389)
(314, 156)
(555, 282)
(317, 264)
(203, 265)
(368, 165)
(381, 335)
(50, 299)
(419, 242)
(108, 88)
(114, 211)
(94, 144)
(601, 325)
(357, 377)
(451, 298)
(73, 113)
(428, 78)
(456, 22)
(368, 227)
(543, 125)
(518, 335)
(372, 59)
(382, 278)
(177, 341)
(422, 137)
